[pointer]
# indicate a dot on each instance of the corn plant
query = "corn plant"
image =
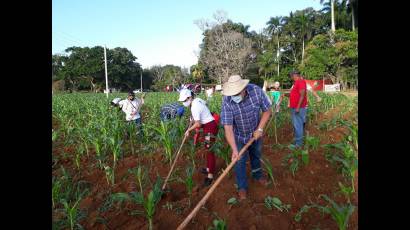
(220, 148)
(271, 202)
(166, 138)
(294, 158)
(268, 168)
(353, 132)
(56, 189)
(54, 135)
(218, 224)
(149, 203)
(64, 188)
(192, 151)
(72, 213)
(232, 201)
(312, 143)
(346, 190)
(66, 197)
(140, 176)
(344, 157)
(340, 213)
(189, 182)
(109, 175)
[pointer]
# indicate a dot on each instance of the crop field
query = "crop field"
(104, 178)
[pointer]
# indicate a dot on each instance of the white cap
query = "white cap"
(276, 84)
(116, 100)
(184, 94)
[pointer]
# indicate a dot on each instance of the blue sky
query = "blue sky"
(157, 31)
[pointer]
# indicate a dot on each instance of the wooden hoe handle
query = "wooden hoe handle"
(219, 180)
(175, 161)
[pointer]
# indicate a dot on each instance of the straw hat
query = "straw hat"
(234, 85)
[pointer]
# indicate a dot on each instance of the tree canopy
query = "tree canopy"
(302, 40)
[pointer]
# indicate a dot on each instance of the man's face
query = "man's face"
(131, 97)
(242, 93)
(295, 77)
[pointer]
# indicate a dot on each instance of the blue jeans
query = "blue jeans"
(254, 151)
(298, 120)
(138, 125)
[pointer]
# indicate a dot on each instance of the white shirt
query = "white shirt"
(129, 108)
(200, 112)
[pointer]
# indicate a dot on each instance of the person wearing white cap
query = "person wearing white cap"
(202, 117)
(240, 116)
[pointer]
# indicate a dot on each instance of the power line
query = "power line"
(70, 37)
(73, 37)
(66, 39)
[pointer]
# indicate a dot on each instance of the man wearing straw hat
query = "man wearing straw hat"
(240, 117)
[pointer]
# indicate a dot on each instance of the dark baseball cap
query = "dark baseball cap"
(294, 72)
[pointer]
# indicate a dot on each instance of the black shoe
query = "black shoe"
(204, 171)
(208, 181)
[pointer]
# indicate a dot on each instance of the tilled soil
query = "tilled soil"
(318, 177)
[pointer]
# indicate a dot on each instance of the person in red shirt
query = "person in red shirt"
(298, 104)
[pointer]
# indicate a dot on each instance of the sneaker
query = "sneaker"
(242, 194)
(208, 181)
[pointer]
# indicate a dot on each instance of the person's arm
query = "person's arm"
(302, 95)
(266, 113)
(316, 95)
(197, 124)
(196, 117)
(140, 102)
(227, 122)
(264, 119)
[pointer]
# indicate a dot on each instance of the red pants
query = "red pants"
(210, 130)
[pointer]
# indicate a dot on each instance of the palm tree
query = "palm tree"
(332, 11)
(265, 62)
(289, 31)
(275, 27)
(304, 21)
(352, 8)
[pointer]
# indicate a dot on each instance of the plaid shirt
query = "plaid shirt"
(244, 116)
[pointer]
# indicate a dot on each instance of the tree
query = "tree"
(198, 72)
(83, 68)
(275, 28)
(337, 60)
(266, 63)
(225, 51)
(168, 75)
(332, 12)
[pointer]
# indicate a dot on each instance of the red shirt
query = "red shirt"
(294, 94)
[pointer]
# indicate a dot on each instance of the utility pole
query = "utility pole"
(106, 74)
(332, 9)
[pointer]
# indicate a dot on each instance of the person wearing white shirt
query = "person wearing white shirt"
(209, 92)
(131, 107)
(202, 117)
